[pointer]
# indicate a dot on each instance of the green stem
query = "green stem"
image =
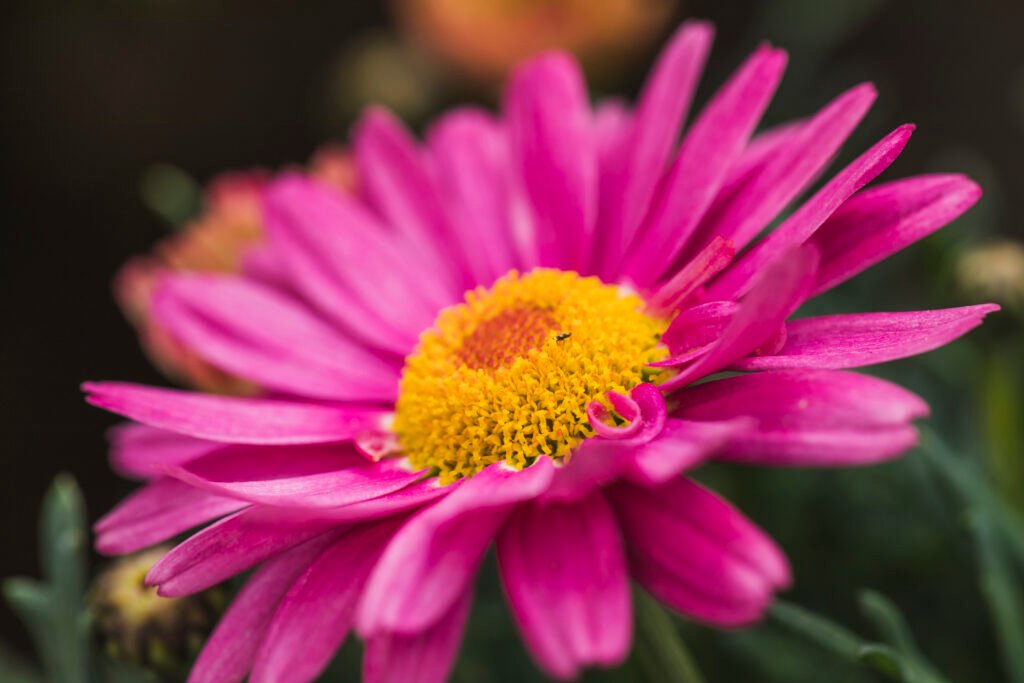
(974, 490)
(660, 651)
(1002, 594)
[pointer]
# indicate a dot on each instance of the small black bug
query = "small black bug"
(563, 336)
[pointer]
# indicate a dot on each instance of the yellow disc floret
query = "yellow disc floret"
(507, 375)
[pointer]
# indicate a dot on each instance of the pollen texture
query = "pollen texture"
(507, 375)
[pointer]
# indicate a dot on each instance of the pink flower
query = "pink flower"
(402, 432)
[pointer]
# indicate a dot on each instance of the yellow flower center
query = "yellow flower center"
(507, 375)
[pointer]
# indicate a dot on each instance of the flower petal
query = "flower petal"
(662, 105)
(392, 175)
(565, 577)
(433, 558)
(709, 262)
(553, 151)
(229, 652)
(778, 291)
(796, 229)
(742, 213)
(159, 510)
(339, 253)
(808, 417)
(310, 477)
(141, 451)
(715, 140)
(317, 612)
(229, 547)
(883, 220)
(472, 156)
(234, 420)
(694, 329)
(698, 554)
(681, 446)
(249, 330)
(848, 341)
(425, 657)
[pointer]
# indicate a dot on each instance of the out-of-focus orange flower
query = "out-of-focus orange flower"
(484, 38)
(216, 241)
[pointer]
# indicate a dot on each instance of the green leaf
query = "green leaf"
(825, 633)
(879, 657)
(54, 610)
(892, 627)
(660, 651)
(974, 490)
(887, 619)
(1001, 590)
(885, 660)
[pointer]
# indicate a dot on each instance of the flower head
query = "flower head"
(137, 625)
(515, 334)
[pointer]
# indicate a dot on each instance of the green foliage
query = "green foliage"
(659, 651)
(53, 609)
(896, 657)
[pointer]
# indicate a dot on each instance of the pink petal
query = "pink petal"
(796, 229)
(716, 139)
(251, 331)
(159, 510)
(234, 420)
(883, 220)
(821, 447)
(565, 577)
(393, 176)
(808, 417)
(317, 612)
(230, 650)
(229, 547)
(710, 261)
(413, 496)
(425, 657)
(778, 291)
(310, 477)
(847, 341)
(339, 253)
(433, 558)
(548, 116)
(695, 329)
(472, 156)
(662, 105)
(682, 446)
(141, 451)
(698, 554)
(781, 176)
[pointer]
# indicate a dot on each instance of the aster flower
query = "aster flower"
(515, 334)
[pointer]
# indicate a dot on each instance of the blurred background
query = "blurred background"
(115, 113)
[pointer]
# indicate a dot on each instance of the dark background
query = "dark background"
(93, 93)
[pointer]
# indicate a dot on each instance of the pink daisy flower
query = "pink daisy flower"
(514, 334)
